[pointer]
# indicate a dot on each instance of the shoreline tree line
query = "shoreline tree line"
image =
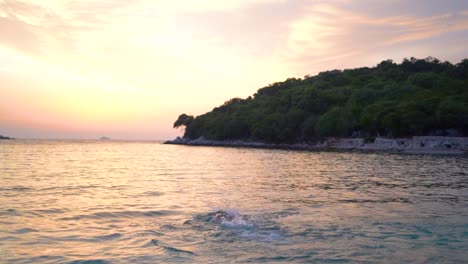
(416, 97)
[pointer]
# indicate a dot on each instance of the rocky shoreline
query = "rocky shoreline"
(414, 145)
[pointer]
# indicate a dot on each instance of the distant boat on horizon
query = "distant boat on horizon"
(104, 138)
(5, 137)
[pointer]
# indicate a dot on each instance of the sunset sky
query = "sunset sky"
(127, 69)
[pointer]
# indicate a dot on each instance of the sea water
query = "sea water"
(145, 202)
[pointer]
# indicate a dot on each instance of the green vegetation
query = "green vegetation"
(416, 97)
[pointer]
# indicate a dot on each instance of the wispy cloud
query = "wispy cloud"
(18, 35)
(34, 28)
(328, 32)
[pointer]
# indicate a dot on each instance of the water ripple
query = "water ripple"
(119, 214)
(144, 202)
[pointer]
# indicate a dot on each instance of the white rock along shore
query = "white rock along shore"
(414, 145)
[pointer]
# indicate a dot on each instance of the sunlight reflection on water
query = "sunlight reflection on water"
(120, 202)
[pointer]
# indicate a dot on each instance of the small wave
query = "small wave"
(16, 189)
(178, 250)
(281, 258)
(152, 193)
(389, 200)
(168, 227)
(75, 187)
(262, 235)
(120, 214)
(167, 248)
(80, 238)
(109, 237)
(9, 212)
(51, 211)
(25, 230)
(152, 243)
(8, 238)
(89, 261)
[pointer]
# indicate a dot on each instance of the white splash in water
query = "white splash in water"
(231, 217)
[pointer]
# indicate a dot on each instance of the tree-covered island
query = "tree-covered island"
(417, 97)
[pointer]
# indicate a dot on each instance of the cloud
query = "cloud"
(18, 35)
(180, 6)
(32, 29)
(43, 28)
(331, 33)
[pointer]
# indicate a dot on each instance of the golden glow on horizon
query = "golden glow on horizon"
(118, 65)
(79, 97)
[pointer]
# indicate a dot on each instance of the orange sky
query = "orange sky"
(127, 69)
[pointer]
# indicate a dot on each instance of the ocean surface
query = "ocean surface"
(145, 202)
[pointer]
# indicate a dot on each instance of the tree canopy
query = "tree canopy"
(415, 97)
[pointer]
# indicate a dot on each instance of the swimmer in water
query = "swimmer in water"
(222, 216)
(229, 218)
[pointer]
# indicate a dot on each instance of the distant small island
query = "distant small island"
(104, 138)
(5, 137)
(418, 97)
